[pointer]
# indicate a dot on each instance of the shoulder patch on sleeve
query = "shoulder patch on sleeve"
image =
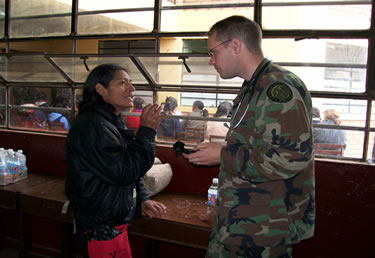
(279, 92)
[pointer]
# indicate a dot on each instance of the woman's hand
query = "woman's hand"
(151, 116)
(153, 209)
(207, 154)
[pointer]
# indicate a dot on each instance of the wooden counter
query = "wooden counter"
(9, 193)
(180, 225)
(47, 201)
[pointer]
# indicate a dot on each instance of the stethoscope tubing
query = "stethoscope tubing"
(251, 84)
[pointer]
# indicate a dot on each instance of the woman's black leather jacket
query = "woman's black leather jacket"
(104, 166)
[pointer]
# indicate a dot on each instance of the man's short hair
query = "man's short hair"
(239, 27)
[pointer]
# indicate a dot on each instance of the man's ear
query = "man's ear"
(100, 89)
(237, 45)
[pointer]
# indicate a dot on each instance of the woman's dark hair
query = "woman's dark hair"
(102, 74)
(138, 103)
(200, 105)
(170, 104)
(223, 109)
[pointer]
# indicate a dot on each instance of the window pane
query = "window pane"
(331, 51)
(315, 80)
(75, 68)
(2, 95)
(94, 5)
(328, 16)
(2, 116)
(210, 100)
(40, 119)
(188, 98)
(2, 17)
(371, 148)
(354, 144)
(2, 106)
(372, 125)
(344, 112)
(126, 46)
(28, 68)
(41, 108)
(33, 18)
(354, 147)
(351, 112)
(109, 23)
(200, 14)
(171, 70)
(145, 95)
(324, 65)
(128, 21)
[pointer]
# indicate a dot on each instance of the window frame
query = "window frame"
(157, 35)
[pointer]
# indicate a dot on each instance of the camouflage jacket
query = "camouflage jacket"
(266, 178)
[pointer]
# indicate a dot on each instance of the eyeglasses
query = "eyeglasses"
(211, 52)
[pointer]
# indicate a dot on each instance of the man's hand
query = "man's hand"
(153, 209)
(151, 116)
(207, 154)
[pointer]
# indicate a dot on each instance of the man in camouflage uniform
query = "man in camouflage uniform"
(266, 181)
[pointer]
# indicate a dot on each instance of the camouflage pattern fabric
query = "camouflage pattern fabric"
(266, 178)
(216, 249)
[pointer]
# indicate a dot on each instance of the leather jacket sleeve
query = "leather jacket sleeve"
(105, 164)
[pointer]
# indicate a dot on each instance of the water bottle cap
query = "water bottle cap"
(215, 180)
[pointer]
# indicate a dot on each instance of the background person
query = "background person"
(133, 122)
(169, 126)
(331, 136)
(106, 163)
(218, 128)
(316, 115)
(197, 111)
(268, 153)
(56, 117)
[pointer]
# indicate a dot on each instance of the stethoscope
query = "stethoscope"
(251, 86)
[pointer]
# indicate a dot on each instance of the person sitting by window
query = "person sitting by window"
(168, 126)
(55, 118)
(32, 118)
(316, 115)
(217, 128)
(316, 120)
(40, 117)
(197, 111)
(133, 122)
(330, 136)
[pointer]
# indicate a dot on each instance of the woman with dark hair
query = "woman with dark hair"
(169, 126)
(218, 128)
(106, 163)
(197, 111)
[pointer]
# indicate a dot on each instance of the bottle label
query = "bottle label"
(212, 199)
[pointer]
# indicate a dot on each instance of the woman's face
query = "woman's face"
(119, 92)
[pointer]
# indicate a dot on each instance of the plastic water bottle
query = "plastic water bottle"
(4, 174)
(12, 165)
(22, 164)
(212, 194)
